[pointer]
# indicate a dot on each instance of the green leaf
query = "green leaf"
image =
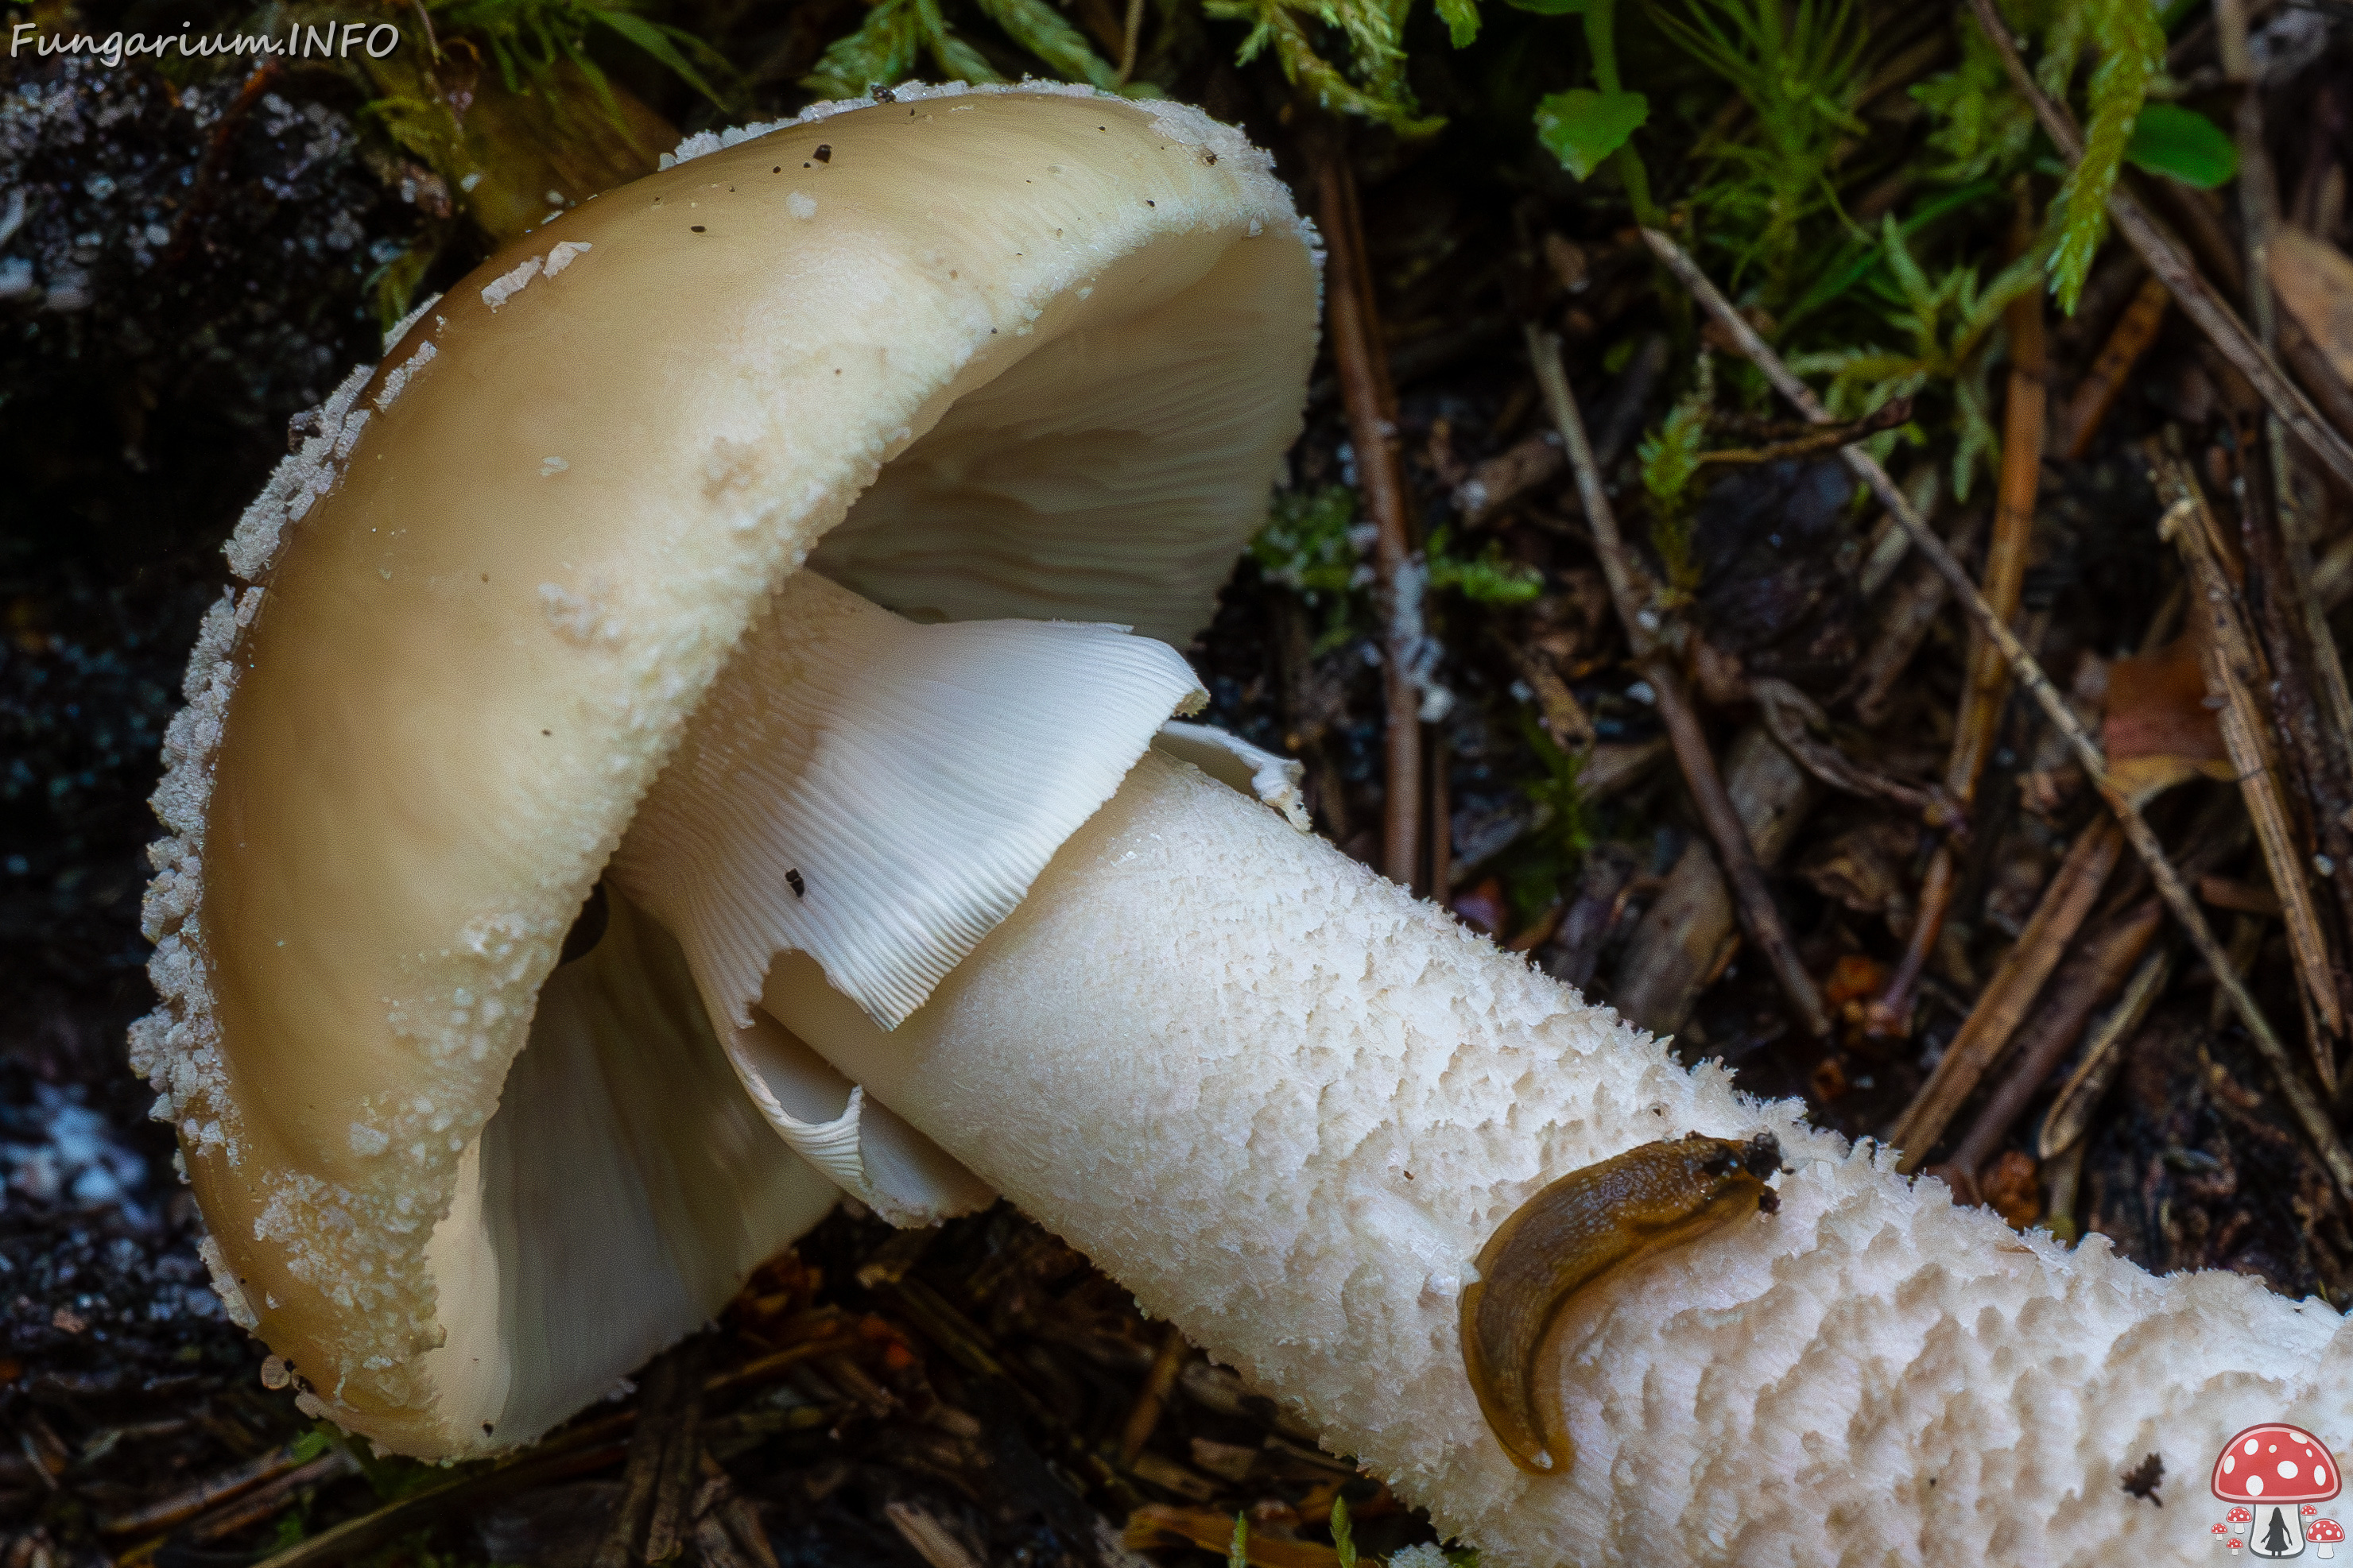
(1237, 1554)
(2184, 144)
(655, 40)
(1344, 1541)
(1461, 19)
(1582, 127)
(1038, 28)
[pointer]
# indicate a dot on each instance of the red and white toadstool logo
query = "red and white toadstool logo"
(2274, 1474)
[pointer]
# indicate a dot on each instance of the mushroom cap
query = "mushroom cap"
(1024, 353)
(2325, 1529)
(2275, 1463)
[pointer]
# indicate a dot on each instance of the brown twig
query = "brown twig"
(1760, 917)
(2235, 678)
(2002, 1005)
(650, 1522)
(2089, 978)
(210, 1493)
(2071, 1113)
(2105, 381)
(1131, 39)
(2163, 253)
(1144, 1416)
(1793, 717)
(1987, 686)
(1910, 614)
(2306, 1107)
(1893, 415)
(1355, 354)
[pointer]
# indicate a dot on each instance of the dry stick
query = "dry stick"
(1144, 1417)
(2302, 1103)
(2312, 708)
(2089, 979)
(1356, 355)
(2163, 253)
(1987, 690)
(209, 1492)
(1130, 40)
(2105, 381)
(1758, 915)
(2070, 1116)
(2002, 1005)
(2233, 677)
(1913, 606)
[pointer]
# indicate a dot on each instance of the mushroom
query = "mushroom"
(2326, 1535)
(747, 549)
(2270, 1470)
(2238, 1516)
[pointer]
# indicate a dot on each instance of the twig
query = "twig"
(2071, 1113)
(1758, 915)
(2085, 981)
(2158, 248)
(1893, 415)
(1988, 687)
(2310, 704)
(2233, 677)
(1793, 716)
(1152, 1397)
(1911, 612)
(2302, 1103)
(267, 1501)
(1356, 355)
(2105, 383)
(649, 1520)
(2002, 1005)
(1131, 38)
(210, 1493)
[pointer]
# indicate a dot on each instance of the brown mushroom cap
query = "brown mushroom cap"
(1028, 353)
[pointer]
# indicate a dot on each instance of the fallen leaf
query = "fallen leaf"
(2314, 282)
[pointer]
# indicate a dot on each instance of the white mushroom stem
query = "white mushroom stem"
(1286, 1104)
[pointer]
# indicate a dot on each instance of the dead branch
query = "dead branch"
(2235, 678)
(2002, 1005)
(2136, 329)
(2090, 976)
(1372, 428)
(1760, 917)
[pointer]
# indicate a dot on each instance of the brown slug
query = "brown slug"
(1575, 1232)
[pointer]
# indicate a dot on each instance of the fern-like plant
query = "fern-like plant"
(1800, 67)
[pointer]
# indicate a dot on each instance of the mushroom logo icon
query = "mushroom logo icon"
(2326, 1535)
(2271, 1474)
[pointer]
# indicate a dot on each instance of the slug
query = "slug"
(1577, 1231)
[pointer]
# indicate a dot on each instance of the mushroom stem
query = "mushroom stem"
(1286, 1104)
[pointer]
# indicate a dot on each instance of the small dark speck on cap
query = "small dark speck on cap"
(780, 169)
(697, 227)
(1153, 204)
(824, 152)
(547, 731)
(793, 880)
(487, 1428)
